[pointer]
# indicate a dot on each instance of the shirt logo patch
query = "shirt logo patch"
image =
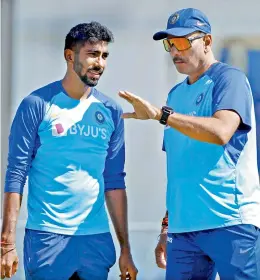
(59, 128)
(199, 98)
(174, 18)
(99, 117)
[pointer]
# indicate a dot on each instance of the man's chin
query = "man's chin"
(90, 83)
(181, 70)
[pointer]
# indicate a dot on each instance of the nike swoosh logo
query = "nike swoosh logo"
(244, 251)
(200, 23)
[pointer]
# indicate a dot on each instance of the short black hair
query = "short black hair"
(87, 32)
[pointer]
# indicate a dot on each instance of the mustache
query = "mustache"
(97, 69)
(178, 59)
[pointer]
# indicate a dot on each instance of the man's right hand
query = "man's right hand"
(9, 262)
(160, 251)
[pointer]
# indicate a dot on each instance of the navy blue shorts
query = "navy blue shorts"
(234, 252)
(51, 256)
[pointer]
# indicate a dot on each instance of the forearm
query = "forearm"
(117, 206)
(12, 204)
(205, 129)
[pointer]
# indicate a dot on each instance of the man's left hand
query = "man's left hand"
(127, 266)
(143, 110)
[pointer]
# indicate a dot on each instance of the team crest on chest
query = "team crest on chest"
(199, 98)
(99, 117)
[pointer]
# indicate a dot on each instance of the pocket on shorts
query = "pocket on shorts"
(106, 247)
(39, 247)
(244, 247)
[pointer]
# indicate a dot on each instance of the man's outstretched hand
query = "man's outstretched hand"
(143, 110)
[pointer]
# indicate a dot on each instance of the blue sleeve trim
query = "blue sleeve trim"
(14, 187)
(114, 175)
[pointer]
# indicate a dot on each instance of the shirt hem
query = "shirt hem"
(208, 227)
(64, 231)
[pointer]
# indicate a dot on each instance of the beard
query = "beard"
(89, 81)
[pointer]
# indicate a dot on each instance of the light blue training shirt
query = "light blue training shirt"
(211, 186)
(72, 151)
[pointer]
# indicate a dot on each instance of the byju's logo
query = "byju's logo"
(99, 117)
(81, 130)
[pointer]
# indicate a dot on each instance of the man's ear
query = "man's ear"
(207, 43)
(208, 40)
(69, 56)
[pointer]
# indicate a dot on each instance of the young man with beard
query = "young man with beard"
(69, 139)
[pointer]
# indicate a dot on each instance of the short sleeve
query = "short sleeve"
(232, 92)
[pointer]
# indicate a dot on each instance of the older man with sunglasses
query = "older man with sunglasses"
(213, 192)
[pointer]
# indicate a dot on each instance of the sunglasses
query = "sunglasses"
(180, 43)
